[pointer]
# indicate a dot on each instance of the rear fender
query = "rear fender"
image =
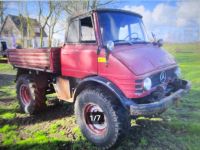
(40, 77)
(21, 71)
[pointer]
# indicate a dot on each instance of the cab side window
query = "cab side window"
(87, 31)
(73, 32)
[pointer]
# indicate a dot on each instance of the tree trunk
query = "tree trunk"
(1, 12)
(41, 37)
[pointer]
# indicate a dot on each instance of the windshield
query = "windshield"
(121, 27)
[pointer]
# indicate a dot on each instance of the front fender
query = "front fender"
(97, 80)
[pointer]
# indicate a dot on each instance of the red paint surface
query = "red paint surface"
(142, 58)
(79, 60)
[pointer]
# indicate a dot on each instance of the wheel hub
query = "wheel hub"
(25, 95)
(97, 128)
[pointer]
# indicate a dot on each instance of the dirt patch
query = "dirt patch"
(6, 101)
(3, 61)
(6, 79)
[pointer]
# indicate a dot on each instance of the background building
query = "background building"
(22, 31)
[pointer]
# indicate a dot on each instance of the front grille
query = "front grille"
(138, 87)
(170, 75)
(155, 78)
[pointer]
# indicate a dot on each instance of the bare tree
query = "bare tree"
(53, 21)
(22, 24)
(3, 7)
(76, 7)
(1, 11)
(29, 25)
(43, 19)
(25, 24)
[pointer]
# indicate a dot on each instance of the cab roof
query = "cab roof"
(104, 10)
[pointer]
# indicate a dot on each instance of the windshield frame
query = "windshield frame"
(143, 29)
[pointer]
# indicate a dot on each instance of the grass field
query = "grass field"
(55, 128)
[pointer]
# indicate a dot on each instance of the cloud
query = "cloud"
(163, 14)
(177, 23)
(147, 15)
(188, 13)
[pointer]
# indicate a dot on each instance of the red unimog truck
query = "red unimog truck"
(107, 68)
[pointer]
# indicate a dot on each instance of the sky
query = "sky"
(171, 20)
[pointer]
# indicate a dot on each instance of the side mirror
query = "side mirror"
(109, 47)
(160, 42)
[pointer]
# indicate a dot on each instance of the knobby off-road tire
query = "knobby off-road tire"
(116, 117)
(31, 98)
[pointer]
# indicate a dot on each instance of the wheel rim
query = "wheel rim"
(95, 128)
(25, 95)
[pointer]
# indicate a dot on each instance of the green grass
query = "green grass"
(185, 118)
(9, 134)
(6, 69)
(178, 128)
(8, 115)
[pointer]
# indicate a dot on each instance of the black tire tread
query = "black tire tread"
(38, 95)
(118, 113)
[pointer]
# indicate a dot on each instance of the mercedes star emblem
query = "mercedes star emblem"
(163, 76)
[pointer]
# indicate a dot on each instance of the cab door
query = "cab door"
(79, 54)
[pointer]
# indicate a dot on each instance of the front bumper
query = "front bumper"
(159, 106)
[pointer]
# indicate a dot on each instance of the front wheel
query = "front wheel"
(101, 121)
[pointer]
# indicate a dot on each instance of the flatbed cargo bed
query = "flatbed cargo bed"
(42, 59)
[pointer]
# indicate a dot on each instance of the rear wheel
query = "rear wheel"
(114, 124)
(31, 98)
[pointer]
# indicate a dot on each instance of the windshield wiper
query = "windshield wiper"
(123, 41)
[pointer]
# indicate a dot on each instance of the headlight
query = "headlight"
(147, 84)
(178, 72)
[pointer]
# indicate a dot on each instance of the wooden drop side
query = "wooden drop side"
(47, 60)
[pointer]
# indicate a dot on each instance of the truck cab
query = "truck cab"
(113, 44)
(107, 67)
